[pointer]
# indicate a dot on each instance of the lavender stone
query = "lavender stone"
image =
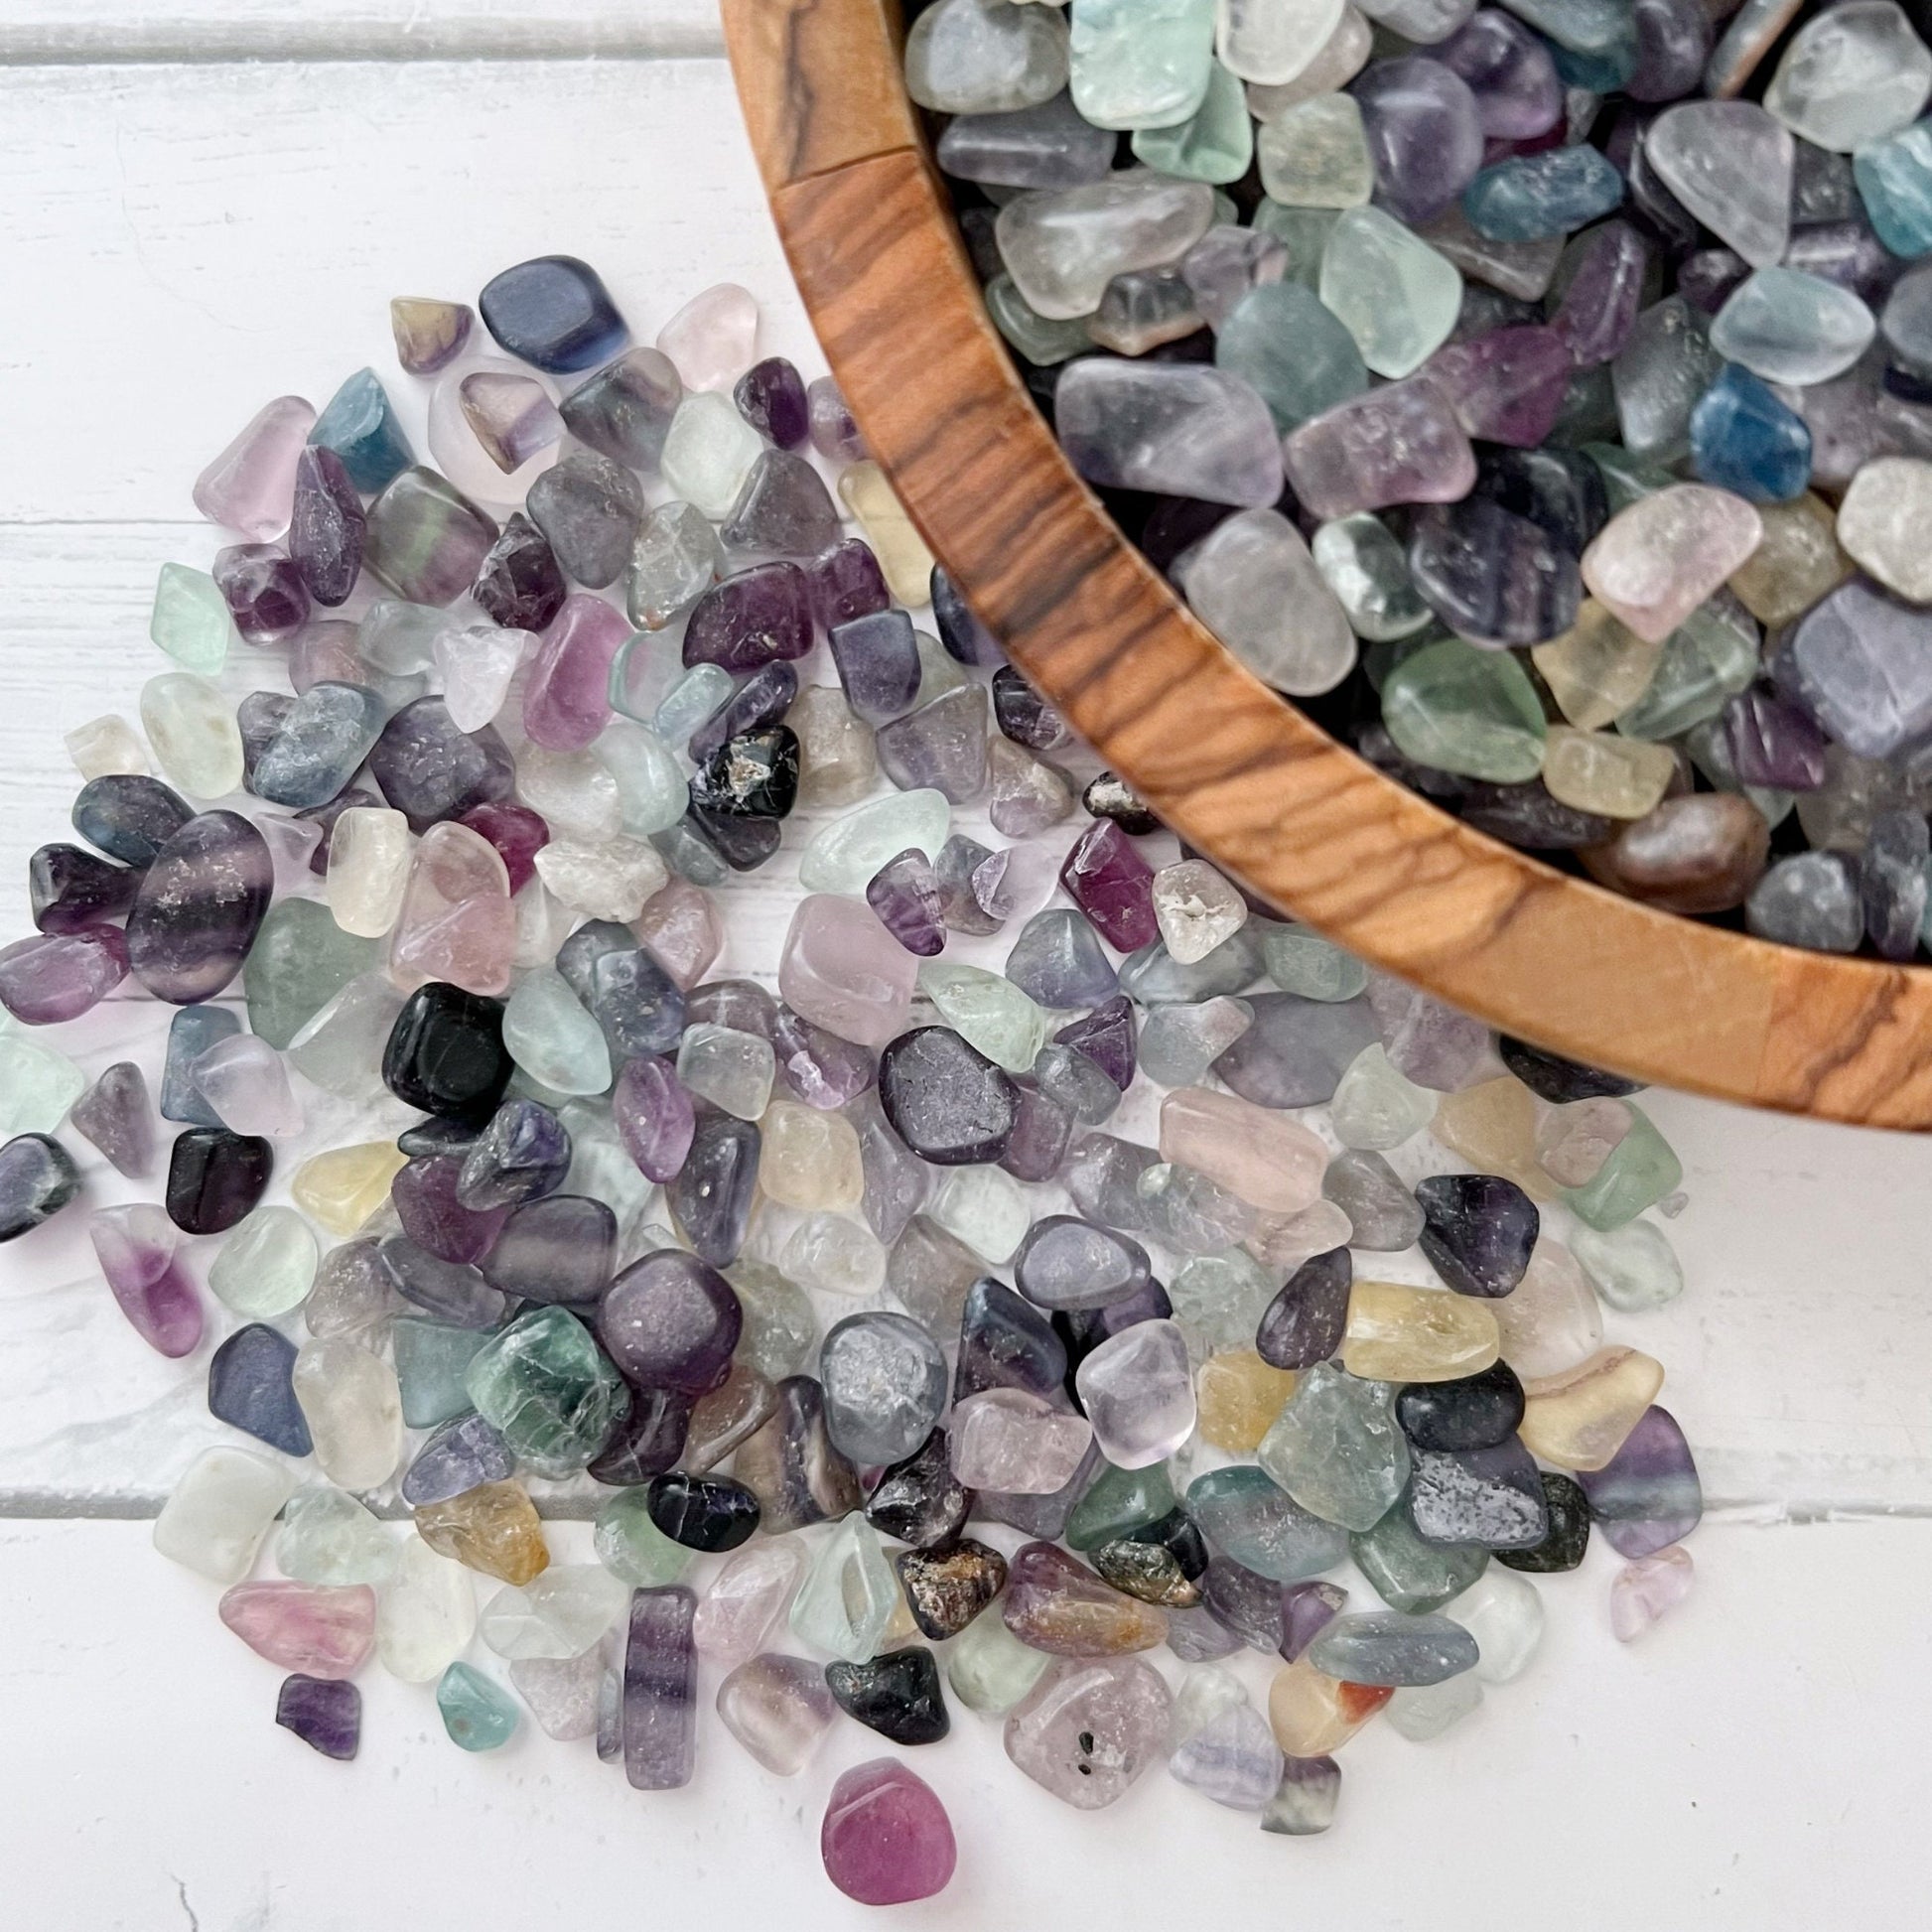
(1307, 1318)
(1647, 1496)
(325, 1713)
(877, 662)
(429, 771)
(1297, 1051)
(670, 1321)
(713, 1191)
(458, 1456)
(200, 908)
(660, 1688)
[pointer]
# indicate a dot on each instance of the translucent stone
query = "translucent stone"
(1632, 1268)
(1138, 1392)
(778, 1708)
(1602, 772)
(1383, 1215)
(1326, 60)
(328, 1536)
(989, 1011)
(1015, 1443)
(903, 559)
(1574, 1140)
(1312, 1714)
(1655, 562)
(1462, 709)
(1881, 520)
(1146, 66)
(1181, 1042)
(981, 56)
(190, 620)
(1729, 164)
(193, 733)
(1394, 292)
(1789, 327)
(1336, 1448)
(105, 746)
(884, 1382)
(1598, 668)
(267, 1265)
(1579, 1418)
(1254, 1153)
(1375, 1106)
(1367, 570)
(557, 1615)
(986, 1209)
(989, 1669)
(1062, 246)
(249, 486)
(848, 1595)
(216, 1515)
(1850, 78)
(425, 1616)
(1417, 1334)
(457, 923)
(1400, 443)
(341, 1045)
(1045, 146)
(1267, 42)
(1301, 359)
(632, 1547)
(837, 762)
(1178, 428)
(1423, 1712)
(1314, 154)
(1895, 179)
(1812, 900)
(1643, 1592)
(1253, 584)
(492, 1528)
(744, 1598)
(353, 1409)
(1637, 1173)
(1305, 1802)
(369, 868)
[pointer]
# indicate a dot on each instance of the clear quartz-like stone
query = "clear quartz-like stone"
(983, 57)
(1729, 164)
(1062, 246)
(1252, 582)
(1851, 77)
(1398, 297)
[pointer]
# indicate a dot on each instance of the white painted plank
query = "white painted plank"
(1756, 1764)
(385, 30)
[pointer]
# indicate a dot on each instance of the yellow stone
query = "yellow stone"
(1398, 1333)
(1796, 562)
(901, 550)
(1312, 1714)
(1600, 772)
(341, 1188)
(1238, 1396)
(1598, 668)
(1579, 1420)
(809, 1158)
(492, 1528)
(1492, 1125)
(901, 1626)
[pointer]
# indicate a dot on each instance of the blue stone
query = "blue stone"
(359, 425)
(1604, 69)
(458, 1456)
(191, 1031)
(1743, 438)
(1895, 179)
(249, 1388)
(1537, 197)
(478, 1715)
(555, 312)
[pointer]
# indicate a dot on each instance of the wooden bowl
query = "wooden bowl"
(1228, 763)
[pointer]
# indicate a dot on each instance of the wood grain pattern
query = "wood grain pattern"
(1227, 762)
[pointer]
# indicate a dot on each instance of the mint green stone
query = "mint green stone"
(191, 620)
(1118, 1502)
(691, 700)
(1336, 1450)
(849, 1594)
(632, 1547)
(990, 1669)
(1395, 294)
(478, 1715)
(432, 1360)
(1214, 144)
(549, 1389)
(1218, 1299)
(1139, 62)
(1303, 232)
(987, 1012)
(986, 1208)
(939, 670)
(1408, 1574)
(1316, 155)
(37, 1084)
(651, 786)
(552, 1038)
(300, 961)
(1640, 1172)
(1706, 661)
(1282, 340)
(328, 1536)
(843, 855)
(1042, 341)
(1361, 561)
(267, 1266)
(1464, 710)
(1303, 962)
(1633, 1268)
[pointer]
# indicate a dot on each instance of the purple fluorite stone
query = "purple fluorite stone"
(943, 745)
(1772, 742)
(117, 1116)
(567, 700)
(129, 817)
(1107, 880)
(845, 582)
(1478, 1230)
(660, 1688)
(1041, 1129)
(960, 631)
(1492, 576)
(58, 976)
(945, 1099)
(1673, 43)
(654, 1116)
(560, 1249)
(216, 1179)
(36, 1179)
(670, 1321)
(906, 895)
(1599, 308)
(429, 769)
(1023, 715)
(771, 396)
(1006, 1343)
(712, 1193)
(520, 584)
(885, 1838)
(1860, 663)
(649, 1439)
(424, 1194)
(821, 1069)
(1510, 73)
(1506, 385)
(458, 1456)
(325, 1713)
(1398, 444)
(752, 618)
(783, 510)
(1424, 134)
(70, 889)
(249, 1388)
(264, 589)
(328, 526)
(522, 1155)
(1106, 1037)
(1647, 1496)
(200, 908)
(1297, 1051)
(1307, 1318)
(877, 662)
(135, 1247)
(624, 989)
(449, 1291)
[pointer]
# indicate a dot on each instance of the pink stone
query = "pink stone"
(743, 1598)
(321, 1629)
(458, 922)
(1109, 880)
(887, 1839)
(1653, 563)
(1644, 1591)
(713, 338)
(654, 1116)
(250, 486)
(55, 976)
(681, 928)
(843, 971)
(567, 700)
(1269, 1160)
(1398, 444)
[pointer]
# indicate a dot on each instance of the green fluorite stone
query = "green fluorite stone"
(1117, 1502)
(549, 1389)
(1303, 232)
(1305, 963)
(1140, 63)
(37, 1084)
(478, 1715)
(432, 1360)
(1395, 294)
(550, 1036)
(1285, 344)
(987, 1012)
(990, 1669)
(1336, 1448)
(1214, 144)
(1408, 1574)
(190, 620)
(1468, 711)
(1219, 1298)
(848, 1595)
(1640, 1171)
(328, 1536)
(632, 1547)
(300, 961)
(1707, 661)
(1042, 341)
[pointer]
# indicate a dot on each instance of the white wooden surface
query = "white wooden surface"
(200, 211)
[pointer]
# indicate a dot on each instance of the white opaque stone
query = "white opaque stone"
(242, 1078)
(708, 453)
(713, 338)
(1138, 1389)
(218, 1512)
(349, 1398)
(105, 746)
(476, 663)
(369, 868)
(425, 1616)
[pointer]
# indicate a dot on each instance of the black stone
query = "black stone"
(1568, 1536)
(708, 1513)
(648, 1440)
(743, 843)
(945, 1589)
(216, 1179)
(67, 889)
(1473, 1412)
(129, 817)
(560, 1249)
(1111, 797)
(36, 1179)
(752, 775)
(445, 1054)
(945, 1099)
(521, 585)
(1149, 1571)
(962, 634)
(1557, 1079)
(432, 1135)
(249, 1388)
(1526, 815)
(760, 701)
(1559, 491)
(1023, 715)
(1477, 1230)
(1306, 1321)
(919, 1501)
(1488, 573)
(896, 1694)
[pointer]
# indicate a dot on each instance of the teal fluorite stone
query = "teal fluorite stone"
(359, 424)
(478, 1715)
(550, 1391)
